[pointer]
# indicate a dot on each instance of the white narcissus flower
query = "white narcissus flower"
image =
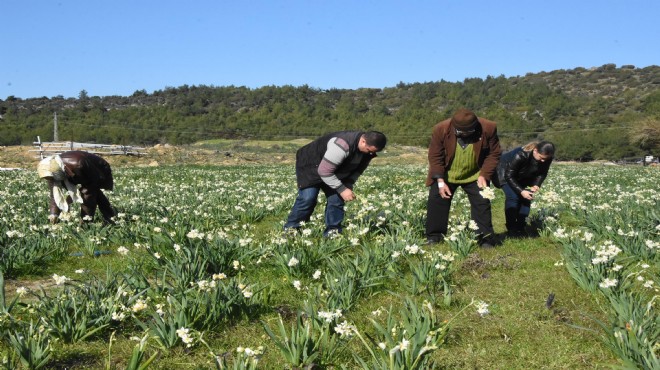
(185, 336)
(345, 330)
(194, 234)
(59, 280)
(122, 250)
(608, 283)
(414, 249)
(403, 345)
(488, 193)
(247, 293)
(329, 316)
(482, 308)
(139, 306)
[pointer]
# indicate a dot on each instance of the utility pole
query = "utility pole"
(55, 137)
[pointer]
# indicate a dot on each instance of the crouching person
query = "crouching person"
(65, 171)
(520, 174)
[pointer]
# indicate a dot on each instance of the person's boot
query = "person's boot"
(515, 234)
(486, 241)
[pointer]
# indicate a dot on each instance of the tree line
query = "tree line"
(597, 113)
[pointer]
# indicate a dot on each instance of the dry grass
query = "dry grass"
(214, 152)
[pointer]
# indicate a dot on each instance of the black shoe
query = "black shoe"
(486, 241)
(486, 245)
(434, 240)
(516, 234)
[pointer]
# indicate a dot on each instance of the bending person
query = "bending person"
(65, 171)
(331, 163)
(463, 153)
(521, 173)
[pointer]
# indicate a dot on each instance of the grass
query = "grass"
(520, 333)
(515, 279)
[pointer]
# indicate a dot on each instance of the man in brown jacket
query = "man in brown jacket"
(464, 152)
(65, 171)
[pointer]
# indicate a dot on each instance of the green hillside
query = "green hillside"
(597, 113)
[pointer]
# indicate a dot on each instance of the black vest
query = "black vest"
(310, 156)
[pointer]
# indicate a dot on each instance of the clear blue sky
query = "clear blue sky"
(116, 47)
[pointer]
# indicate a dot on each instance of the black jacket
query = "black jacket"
(310, 156)
(519, 169)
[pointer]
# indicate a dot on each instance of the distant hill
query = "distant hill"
(590, 113)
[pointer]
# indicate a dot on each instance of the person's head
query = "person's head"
(544, 151)
(465, 123)
(372, 142)
(50, 169)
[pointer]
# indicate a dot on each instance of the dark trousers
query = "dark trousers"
(516, 210)
(93, 198)
(437, 210)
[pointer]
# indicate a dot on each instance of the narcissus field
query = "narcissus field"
(196, 273)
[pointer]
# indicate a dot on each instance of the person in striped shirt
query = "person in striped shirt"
(332, 164)
(464, 152)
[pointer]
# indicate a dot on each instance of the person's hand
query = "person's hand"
(481, 182)
(444, 190)
(534, 188)
(347, 195)
(527, 194)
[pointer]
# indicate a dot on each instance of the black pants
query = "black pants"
(91, 199)
(437, 211)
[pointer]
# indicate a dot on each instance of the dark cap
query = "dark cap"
(464, 119)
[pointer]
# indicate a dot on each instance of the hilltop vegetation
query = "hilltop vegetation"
(598, 113)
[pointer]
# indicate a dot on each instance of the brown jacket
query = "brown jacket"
(443, 147)
(88, 170)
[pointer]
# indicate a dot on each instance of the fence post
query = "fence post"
(41, 149)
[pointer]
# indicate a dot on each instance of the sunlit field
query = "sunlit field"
(197, 273)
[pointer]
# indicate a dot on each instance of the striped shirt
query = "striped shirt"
(336, 153)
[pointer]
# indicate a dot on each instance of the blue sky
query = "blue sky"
(52, 47)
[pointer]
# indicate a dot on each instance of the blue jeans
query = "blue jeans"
(306, 202)
(516, 210)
